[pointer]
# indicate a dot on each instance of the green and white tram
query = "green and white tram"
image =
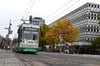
(28, 38)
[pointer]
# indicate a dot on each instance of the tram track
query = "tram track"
(30, 60)
(56, 60)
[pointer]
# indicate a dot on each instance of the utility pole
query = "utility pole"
(9, 32)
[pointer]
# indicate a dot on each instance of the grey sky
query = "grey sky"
(49, 10)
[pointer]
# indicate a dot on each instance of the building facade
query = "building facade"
(86, 19)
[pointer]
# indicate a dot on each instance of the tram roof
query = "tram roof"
(28, 25)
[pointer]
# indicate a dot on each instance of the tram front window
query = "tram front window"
(27, 36)
(30, 36)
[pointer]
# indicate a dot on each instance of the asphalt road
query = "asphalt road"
(58, 59)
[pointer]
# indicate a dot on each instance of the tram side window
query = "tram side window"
(34, 36)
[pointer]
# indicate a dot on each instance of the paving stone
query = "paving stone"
(7, 58)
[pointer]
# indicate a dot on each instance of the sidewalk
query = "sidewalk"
(86, 55)
(7, 58)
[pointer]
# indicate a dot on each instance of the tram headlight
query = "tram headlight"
(24, 41)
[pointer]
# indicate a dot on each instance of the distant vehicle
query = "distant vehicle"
(28, 38)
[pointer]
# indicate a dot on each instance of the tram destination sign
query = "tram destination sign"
(30, 29)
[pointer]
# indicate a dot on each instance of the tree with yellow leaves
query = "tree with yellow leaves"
(51, 37)
(65, 29)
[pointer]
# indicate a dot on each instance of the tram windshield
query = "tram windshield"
(30, 34)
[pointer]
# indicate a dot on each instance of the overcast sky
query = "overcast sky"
(50, 10)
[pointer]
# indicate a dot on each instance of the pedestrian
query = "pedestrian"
(5, 47)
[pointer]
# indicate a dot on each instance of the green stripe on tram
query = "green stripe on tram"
(22, 49)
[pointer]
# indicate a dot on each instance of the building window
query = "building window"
(87, 38)
(92, 5)
(95, 6)
(91, 14)
(98, 6)
(97, 30)
(89, 5)
(89, 17)
(94, 18)
(94, 14)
